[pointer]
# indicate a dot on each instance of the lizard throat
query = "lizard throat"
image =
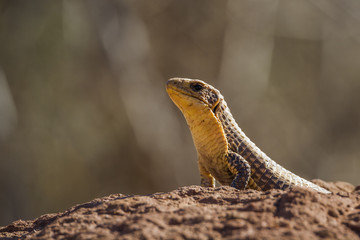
(206, 129)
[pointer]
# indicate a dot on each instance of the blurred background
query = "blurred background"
(83, 107)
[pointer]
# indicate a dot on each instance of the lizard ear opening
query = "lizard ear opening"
(216, 107)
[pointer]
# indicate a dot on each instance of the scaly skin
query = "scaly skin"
(225, 153)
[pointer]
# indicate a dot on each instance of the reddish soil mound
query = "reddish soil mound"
(205, 213)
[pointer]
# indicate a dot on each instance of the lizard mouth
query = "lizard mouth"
(178, 91)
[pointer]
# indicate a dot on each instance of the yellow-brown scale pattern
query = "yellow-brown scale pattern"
(217, 136)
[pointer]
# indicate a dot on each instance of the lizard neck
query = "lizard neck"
(206, 130)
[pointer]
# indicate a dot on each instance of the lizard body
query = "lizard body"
(225, 153)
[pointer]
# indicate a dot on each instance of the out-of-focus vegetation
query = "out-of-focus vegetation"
(84, 112)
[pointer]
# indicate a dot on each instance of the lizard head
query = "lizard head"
(186, 92)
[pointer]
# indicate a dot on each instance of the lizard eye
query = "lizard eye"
(196, 87)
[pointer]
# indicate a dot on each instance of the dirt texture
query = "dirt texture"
(195, 212)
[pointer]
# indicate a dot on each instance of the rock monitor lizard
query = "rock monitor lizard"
(225, 153)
